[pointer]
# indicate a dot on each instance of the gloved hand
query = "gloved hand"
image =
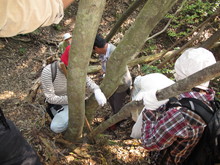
(100, 97)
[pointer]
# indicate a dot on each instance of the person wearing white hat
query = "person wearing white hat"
(67, 39)
(171, 134)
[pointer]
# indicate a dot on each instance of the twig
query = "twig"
(195, 29)
(182, 48)
(151, 37)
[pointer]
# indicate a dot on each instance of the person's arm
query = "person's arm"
(66, 3)
(99, 95)
(16, 17)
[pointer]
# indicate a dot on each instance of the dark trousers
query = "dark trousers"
(117, 101)
(14, 149)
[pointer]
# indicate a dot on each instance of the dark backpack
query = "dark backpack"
(53, 70)
(14, 148)
(207, 151)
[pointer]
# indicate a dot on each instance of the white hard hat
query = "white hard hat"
(191, 61)
(66, 36)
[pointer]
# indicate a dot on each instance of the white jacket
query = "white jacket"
(25, 16)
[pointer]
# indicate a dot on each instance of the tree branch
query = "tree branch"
(151, 37)
(126, 14)
(191, 81)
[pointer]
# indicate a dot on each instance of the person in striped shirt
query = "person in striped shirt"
(56, 93)
(170, 135)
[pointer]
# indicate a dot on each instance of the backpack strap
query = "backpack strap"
(193, 104)
(198, 107)
(53, 70)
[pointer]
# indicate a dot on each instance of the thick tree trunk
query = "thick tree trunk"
(150, 15)
(89, 15)
(121, 20)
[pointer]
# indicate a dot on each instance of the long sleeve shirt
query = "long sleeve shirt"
(174, 132)
(126, 79)
(24, 16)
(56, 92)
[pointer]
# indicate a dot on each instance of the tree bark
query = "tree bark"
(121, 20)
(191, 81)
(89, 15)
(152, 12)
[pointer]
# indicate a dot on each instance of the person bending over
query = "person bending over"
(171, 134)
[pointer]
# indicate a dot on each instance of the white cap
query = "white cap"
(145, 88)
(66, 36)
(191, 61)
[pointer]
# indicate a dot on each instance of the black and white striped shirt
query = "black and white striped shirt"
(56, 92)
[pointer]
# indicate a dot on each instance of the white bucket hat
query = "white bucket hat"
(191, 61)
(66, 36)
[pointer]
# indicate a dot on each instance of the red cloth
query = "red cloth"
(65, 55)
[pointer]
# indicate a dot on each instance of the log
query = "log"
(146, 59)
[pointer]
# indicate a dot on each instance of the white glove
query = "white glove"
(100, 97)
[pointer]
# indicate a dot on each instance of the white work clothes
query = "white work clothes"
(25, 16)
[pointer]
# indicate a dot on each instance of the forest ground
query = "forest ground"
(21, 63)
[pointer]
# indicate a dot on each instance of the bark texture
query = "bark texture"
(191, 81)
(89, 15)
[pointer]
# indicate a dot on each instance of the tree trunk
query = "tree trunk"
(89, 15)
(121, 20)
(152, 12)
